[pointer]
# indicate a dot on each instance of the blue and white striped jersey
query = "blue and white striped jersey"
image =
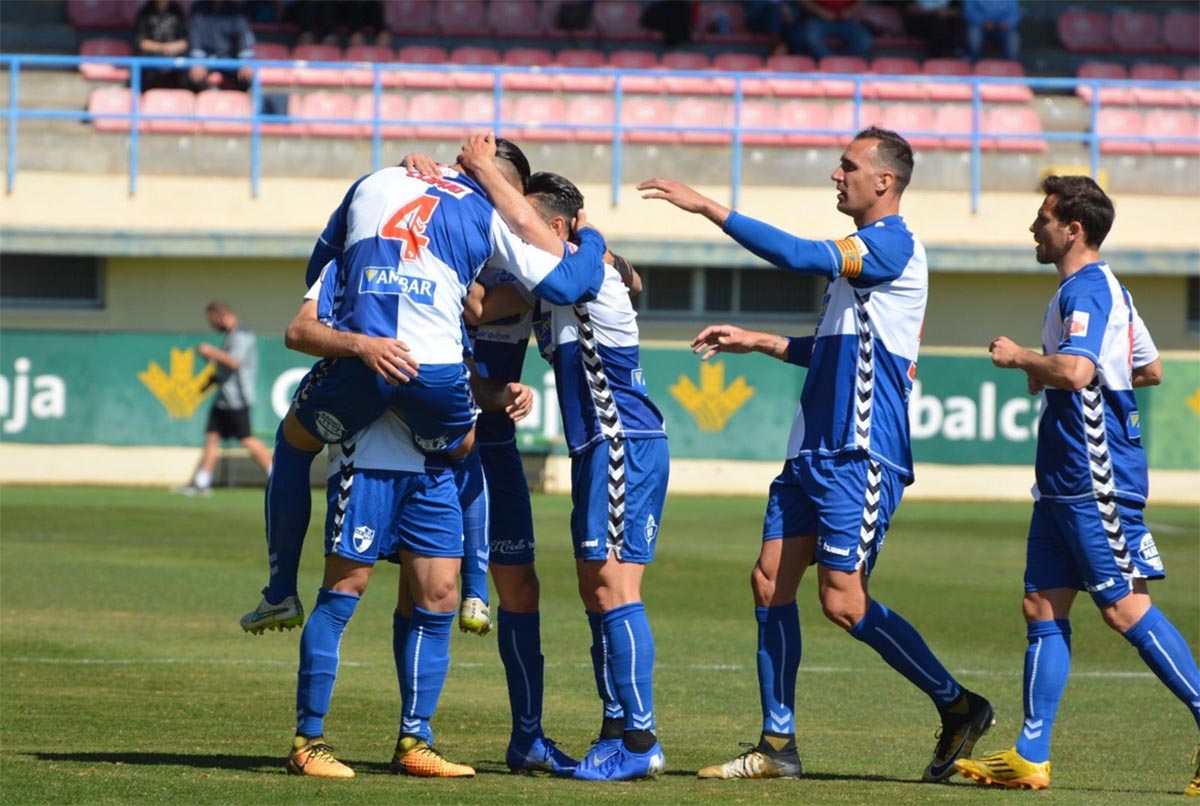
(407, 249)
(1089, 442)
(593, 348)
(864, 356)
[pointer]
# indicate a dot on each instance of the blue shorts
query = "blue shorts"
(846, 500)
(511, 519)
(340, 396)
(1072, 544)
(636, 471)
(378, 513)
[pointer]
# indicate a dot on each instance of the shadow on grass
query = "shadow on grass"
(215, 761)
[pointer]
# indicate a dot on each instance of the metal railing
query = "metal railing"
(16, 63)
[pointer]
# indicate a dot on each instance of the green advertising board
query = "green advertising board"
(148, 389)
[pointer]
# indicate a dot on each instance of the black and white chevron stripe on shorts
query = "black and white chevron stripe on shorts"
(872, 501)
(1101, 469)
(345, 482)
(610, 426)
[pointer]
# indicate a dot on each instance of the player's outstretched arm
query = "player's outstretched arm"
(388, 357)
(731, 339)
(685, 198)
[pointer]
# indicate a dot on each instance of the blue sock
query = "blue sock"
(778, 663)
(898, 643)
(1047, 664)
(606, 689)
(520, 641)
(1168, 656)
(288, 511)
(425, 663)
(473, 496)
(631, 660)
(319, 659)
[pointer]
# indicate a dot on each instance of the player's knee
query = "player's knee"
(465, 447)
(518, 588)
(439, 596)
(297, 436)
(842, 610)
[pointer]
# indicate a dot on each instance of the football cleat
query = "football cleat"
(283, 616)
(1193, 788)
(315, 758)
(600, 751)
(192, 491)
(542, 755)
(758, 761)
(624, 765)
(1007, 769)
(473, 616)
(958, 735)
(414, 756)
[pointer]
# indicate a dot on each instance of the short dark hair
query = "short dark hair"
(555, 194)
(895, 152)
(508, 152)
(219, 306)
(1081, 199)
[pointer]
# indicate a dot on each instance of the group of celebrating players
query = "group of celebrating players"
(424, 290)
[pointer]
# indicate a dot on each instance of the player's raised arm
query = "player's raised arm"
(478, 158)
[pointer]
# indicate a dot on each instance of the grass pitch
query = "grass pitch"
(124, 677)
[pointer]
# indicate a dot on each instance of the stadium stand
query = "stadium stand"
(104, 46)
(1135, 31)
(1084, 31)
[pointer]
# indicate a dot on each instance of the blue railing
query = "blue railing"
(15, 63)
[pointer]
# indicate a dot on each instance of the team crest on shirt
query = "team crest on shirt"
(383, 280)
(1077, 324)
(364, 536)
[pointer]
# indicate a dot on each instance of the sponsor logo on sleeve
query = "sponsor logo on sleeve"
(1077, 324)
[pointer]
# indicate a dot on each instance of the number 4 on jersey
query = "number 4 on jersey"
(408, 225)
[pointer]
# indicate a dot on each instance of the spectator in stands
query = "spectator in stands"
(671, 18)
(994, 21)
(781, 20)
(937, 23)
(160, 30)
(220, 31)
(835, 19)
(325, 22)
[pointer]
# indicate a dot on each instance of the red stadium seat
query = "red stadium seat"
(102, 13)
(954, 120)
(1117, 96)
(583, 82)
(908, 118)
(619, 19)
(1157, 96)
(391, 107)
(438, 116)
(287, 129)
(474, 80)
(895, 90)
(842, 117)
(409, 17)
(529, 82)
(1083, 31)
(946, 91)
(175, 103)
(461, 18)
(479, 114)
(1001, 68)
(741, 63)
(637, 60)
(109, 101)
(687, 85)
(722, 23)
(798, 116)
(535, 112)
(591, 111)
(224, 104)
(361, 75)
(647, 112)
(94, 71)
(1166, 123)
(840, 88)
(515, 18)
(1015, 120)
(319, 107)
(1118, 123)
(1181, 31)
(691, 114)
(423, 79)
(1191, 73)
(274, 76)
(792, 87)
(1135, 31)
(307, 76)
(761, 115)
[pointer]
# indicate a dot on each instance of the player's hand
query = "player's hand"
(423, 164)
(206, 351)
(579, 223)
(478, 152)
(675, 192)
(723, 339)
(1005, 352)
(518, 401)
(388, 357)
(1033, 385)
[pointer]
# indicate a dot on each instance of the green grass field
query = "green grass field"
(124, 677)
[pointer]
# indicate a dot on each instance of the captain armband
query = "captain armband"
(850, 253)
